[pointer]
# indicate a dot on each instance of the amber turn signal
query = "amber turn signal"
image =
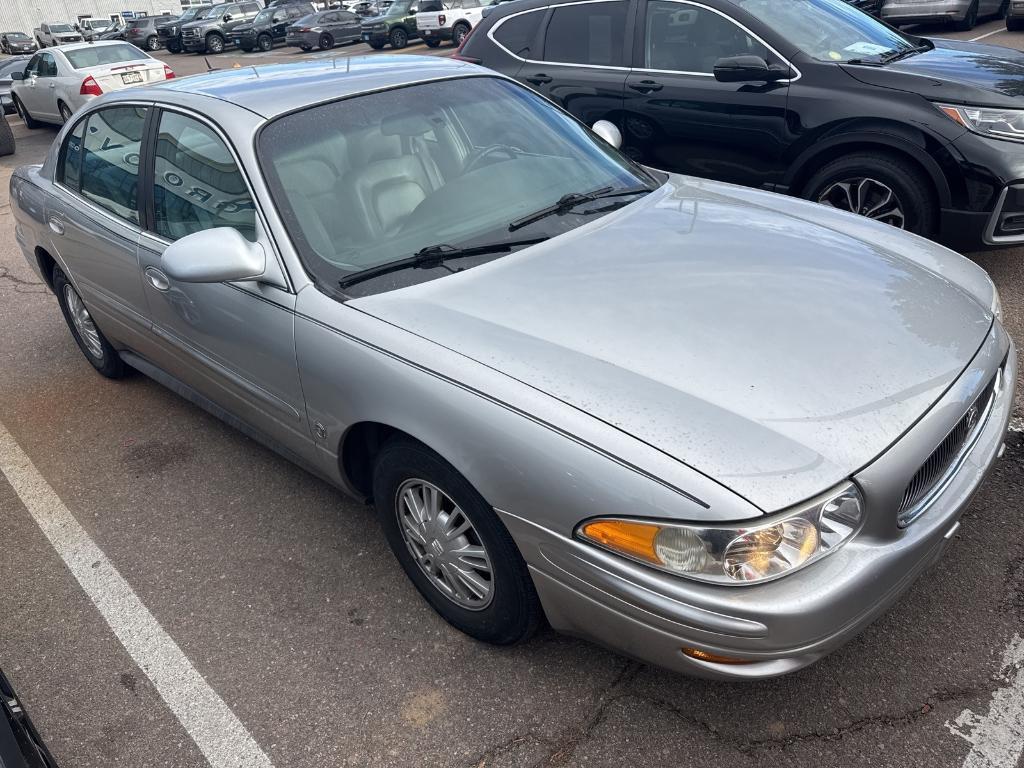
(713, 658)
(625, 536)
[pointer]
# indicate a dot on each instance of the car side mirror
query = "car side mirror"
(609, 132)
(227, 17)
(218, 255)
(748, 69)
(17, 75)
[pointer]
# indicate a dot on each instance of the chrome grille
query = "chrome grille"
(190, 33)
(944, 460)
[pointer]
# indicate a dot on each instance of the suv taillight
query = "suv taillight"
(168, 72)
(90, 87)
(441, 20)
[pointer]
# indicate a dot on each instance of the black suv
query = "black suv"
(213, 30)
(269, 26)
(812, 98)
(168, 32)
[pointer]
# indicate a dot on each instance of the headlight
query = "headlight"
(999, 123)
(997, 304)
(749, 552)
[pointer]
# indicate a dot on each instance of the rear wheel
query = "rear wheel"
(214, 43)
(264, 43)
(882, 187)
(173, 48)
(326, 42)
(6, 137)
(65, 111)
(90, 339)
(452, 546)
(970, 20)
(152, 44)
(459, 34)
(398, 38)
(26, 118)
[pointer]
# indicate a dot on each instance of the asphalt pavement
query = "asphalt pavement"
(283, 598)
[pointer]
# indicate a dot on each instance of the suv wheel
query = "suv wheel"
(398, 38)
(214, 43)
(882, 187)
(459, 34)
(1014, 25)
(264, 43)
(377, 46)
(152, 44)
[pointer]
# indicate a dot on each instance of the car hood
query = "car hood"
(765, 350)
(955, 71)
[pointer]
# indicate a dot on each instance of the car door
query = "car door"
(582, 63)
(93, 219)
(230, 342)
(40, 92)
(679, 117)
(346, 26)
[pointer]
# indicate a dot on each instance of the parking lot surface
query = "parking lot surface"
(283, 597)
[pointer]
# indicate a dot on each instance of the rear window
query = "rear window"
(517, 33)
(101, 55)
(590, 33)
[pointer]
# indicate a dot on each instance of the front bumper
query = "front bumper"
(245, 40)
(444, 33)
(194, 43)
(787, 624)
(375, 35)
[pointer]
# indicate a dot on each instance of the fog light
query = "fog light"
(770, 551)
(713, 658)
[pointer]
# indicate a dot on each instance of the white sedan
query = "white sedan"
(59, 80)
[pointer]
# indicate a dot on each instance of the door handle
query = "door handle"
(539, 79)
(646, 86)
(56, 225)
(157, 279)
(53, 85)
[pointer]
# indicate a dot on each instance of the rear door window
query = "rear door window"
(110, 160)
(516, 34)
(588, 33)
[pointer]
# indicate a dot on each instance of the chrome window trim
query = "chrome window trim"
(264, 235)
(747, 30)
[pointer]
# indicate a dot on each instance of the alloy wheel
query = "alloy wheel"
(444, 544)
(83, 323)
(65, 112)
(865, 197)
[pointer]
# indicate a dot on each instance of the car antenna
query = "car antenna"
(209, 67)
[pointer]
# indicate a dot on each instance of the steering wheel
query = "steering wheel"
(476, 159)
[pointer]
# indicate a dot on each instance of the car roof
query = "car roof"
(275, 89)
(95, 44)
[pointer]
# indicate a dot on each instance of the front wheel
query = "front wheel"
(452, 545)
(377, 46)
(326, 42)
(885, 188)
(970, 20)
(265, 43)
(215, 44)
(432, 43)
(90, 339)
(26, 118)
(306, 48)
(1014, 25)
(173, 48)
(398, 38)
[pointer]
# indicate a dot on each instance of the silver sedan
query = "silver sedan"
(714, 428)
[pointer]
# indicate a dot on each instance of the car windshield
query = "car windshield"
(369, 180)
(265, 16)
(102, 55)
(60, 28)
(398, 9)
(209, 13)
(16, 36)
(829, 30)
(99, 24)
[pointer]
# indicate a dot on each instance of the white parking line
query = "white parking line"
(220, 736)
(997, 739)
(987, 34)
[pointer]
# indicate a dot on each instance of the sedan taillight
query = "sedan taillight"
(168, 72)
(90, 87)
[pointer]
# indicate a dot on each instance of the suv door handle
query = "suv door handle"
(646, 86)
(539, 79)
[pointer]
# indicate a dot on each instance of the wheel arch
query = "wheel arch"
(46, 264)
(828, 149)
(359, 446)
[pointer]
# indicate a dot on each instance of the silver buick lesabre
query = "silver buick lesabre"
(716, 429)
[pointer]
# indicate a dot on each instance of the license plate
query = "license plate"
(238, 41)
(130, 78)
(366, 37)
(427, 33)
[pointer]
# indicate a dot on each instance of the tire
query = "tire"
(30, 122)
(214, 44)
(306, 48)
(376, 46)
(326, 42)
(265, 43)
(910, 189)
(512, 610)
(459, 34)
(96, 348)
(173, 48)
(6, 137)
(152, 43)
(432, 43)
(970, 20)
(1014, 25)
(65, 111)
(398, 38)
(247, 48)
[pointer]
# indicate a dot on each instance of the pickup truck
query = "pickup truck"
(91, 28)
(47, 34)
(449, 20)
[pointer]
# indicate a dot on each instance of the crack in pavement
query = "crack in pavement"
(19, 284)
(488, 758)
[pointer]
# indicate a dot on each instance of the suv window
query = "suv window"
(110, 160)
(689, 38)
(251, 8)
(69, 165)
(517, 33)
(197, 184)
(589, 33)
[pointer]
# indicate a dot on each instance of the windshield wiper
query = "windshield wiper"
(434, 256)
(887, 58)
(569, 201)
